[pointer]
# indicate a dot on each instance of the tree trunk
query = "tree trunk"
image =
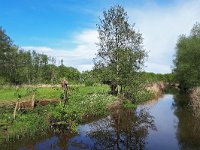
(33, 101)
(118, 89)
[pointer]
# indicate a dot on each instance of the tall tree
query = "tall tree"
(187, 62)
(121, 54)
(8, 55)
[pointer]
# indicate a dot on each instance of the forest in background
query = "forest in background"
(20, 66)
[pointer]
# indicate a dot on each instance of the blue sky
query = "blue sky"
(66, 29)
(40, 22)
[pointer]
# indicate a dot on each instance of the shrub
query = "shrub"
(90, 82)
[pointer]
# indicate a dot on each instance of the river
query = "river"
(163, 124)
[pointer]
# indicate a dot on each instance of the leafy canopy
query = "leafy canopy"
(187, 62)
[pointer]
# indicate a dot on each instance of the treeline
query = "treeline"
(18, 66)
(153, 77)
(94, 76)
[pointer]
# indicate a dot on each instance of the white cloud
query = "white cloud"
(87, 36)
(80, 57)
(161, 27)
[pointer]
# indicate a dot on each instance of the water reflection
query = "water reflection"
(122, 130)
(168, 123)
(188, 128)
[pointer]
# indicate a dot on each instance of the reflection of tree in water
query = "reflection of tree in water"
(64, 138)
(123, 130)
(188, 129)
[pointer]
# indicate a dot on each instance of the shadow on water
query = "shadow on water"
(188, 127)
(166, 123)
(122, 130)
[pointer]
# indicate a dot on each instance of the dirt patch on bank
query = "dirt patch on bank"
(115, 105)
(27, 104)
(195, 100)
(157, 88)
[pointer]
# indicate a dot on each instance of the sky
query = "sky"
(66, 29)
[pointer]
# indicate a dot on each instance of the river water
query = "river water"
(163, 124)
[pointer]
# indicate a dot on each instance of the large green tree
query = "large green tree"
(120, 55)
(8, 57)
(187, 62)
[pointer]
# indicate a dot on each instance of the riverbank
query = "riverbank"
(83, 103)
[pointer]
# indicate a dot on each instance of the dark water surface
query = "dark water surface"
(164, 124)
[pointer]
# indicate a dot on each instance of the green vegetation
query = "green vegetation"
(27, 123)
(10, 94)
(150, 77)
(84, 102)
(187, 62)
(129, 105)
(144, 95)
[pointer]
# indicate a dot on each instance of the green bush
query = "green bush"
(143, 95)
(89, 82)
(2, 81)
(187, 62)
(129, 105)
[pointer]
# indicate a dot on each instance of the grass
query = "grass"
(83, 102)
(27, 123)
(8, 95)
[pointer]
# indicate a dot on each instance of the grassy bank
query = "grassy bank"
(27, 123)
(83, 102)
